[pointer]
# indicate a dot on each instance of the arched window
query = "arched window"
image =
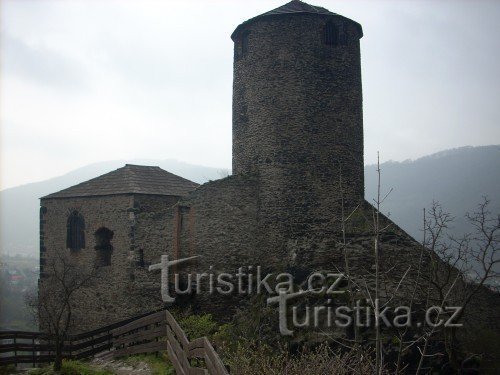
(103, 247)
(75, 231)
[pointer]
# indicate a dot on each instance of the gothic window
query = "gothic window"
(335, 34)
(103, 247)
(75, 235)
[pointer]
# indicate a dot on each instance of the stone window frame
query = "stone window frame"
(103, 247)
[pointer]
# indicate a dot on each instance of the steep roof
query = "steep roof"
(296, 6)
(293, 7)
(130, 179)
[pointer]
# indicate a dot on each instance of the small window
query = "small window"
(335, 34)
(140, 261)
(103, 247)
(241, 45)
(75, 231)
(244, 43)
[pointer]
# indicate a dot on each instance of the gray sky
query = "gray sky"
(87, 81)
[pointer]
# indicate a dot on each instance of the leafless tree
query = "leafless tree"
(63, 278)
(460, 267)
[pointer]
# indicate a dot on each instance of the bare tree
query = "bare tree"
(460, 267)
(63, 278)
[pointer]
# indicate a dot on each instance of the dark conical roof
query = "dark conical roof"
(130, 179)
(293, 7)
(296, 6)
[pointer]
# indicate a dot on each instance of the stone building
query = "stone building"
(116, 221)
(297, 169)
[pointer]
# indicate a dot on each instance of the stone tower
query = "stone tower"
(297, 113)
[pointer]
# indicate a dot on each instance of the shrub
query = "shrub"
(260, 359)
(197, 326)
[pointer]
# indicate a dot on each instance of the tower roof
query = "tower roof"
(130, 179)
(293, 7)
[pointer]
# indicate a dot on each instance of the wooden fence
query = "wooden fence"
(154, 332)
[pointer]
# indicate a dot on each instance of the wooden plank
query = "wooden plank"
(150, 347)
(179, 351)
(154, 332)
(147, 320)
(198, 371)
(86, 344)
(10, 335)
(214, 358)
(175, 361)
(212, 370)
(26, 359)
(91, 352)
(22, 347)
(110, 327)
(176, 328)
(197, 343)
(197, 353)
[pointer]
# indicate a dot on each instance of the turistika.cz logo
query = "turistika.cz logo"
(250, 280)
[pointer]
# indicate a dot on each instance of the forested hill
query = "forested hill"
(456, 178)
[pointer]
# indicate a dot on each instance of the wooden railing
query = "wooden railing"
(154, 332)
(36, 347)
(180, 351)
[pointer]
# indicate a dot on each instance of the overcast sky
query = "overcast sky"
(88, 81)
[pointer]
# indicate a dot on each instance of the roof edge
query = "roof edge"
(242, 25)
(55, 196)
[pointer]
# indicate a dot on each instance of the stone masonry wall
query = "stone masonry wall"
(297, 123)
(153, 236)
(105, 302)
(125, 288)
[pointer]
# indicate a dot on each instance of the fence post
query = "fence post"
(15, 348)
(108, 332)
(33, 349)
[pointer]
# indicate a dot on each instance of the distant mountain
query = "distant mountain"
(456, 178)
(19, 227)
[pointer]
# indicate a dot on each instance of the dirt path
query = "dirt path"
(122, 368)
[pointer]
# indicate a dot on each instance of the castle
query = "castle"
(297, 166)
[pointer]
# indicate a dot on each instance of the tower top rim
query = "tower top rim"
(294, 7)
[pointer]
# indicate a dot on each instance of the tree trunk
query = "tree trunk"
(58, 359)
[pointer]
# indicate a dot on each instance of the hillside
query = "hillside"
(457, 178)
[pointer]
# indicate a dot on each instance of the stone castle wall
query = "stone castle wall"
(141, 234)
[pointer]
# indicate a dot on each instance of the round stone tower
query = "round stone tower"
(297, 115)
(297, 102)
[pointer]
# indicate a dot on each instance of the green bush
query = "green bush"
(197, 326)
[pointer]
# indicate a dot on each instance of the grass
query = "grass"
(9, 369)
(71, 368)
(159, 365)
